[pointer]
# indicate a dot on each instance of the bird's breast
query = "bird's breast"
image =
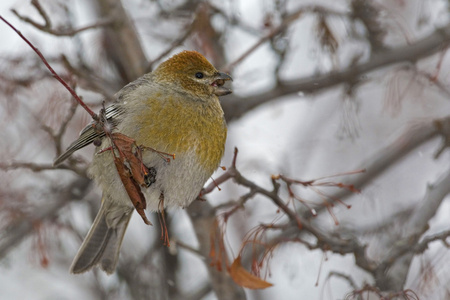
(179, 127)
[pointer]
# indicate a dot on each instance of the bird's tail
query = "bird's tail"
(102, 243)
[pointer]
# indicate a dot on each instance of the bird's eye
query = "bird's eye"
(199, 75)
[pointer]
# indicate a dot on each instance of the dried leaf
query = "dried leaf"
(132, 188)
(244, 278)
(125, 146)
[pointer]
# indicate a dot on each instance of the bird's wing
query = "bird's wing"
(90, 133)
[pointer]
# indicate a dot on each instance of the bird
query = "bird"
(175, 110)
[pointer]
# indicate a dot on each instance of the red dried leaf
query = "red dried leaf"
(125, 147)
(131, 171)
(132, 188)
(244, 278)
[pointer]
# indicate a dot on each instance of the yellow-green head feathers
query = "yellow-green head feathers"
(190, 72)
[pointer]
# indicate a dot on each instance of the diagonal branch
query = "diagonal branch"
(412, 138)
(391, 274)
(287, 20)
(235, 107)
(55, 75)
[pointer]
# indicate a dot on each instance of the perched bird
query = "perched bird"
(175, 109)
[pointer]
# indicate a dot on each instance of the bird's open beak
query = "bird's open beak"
(218, 83)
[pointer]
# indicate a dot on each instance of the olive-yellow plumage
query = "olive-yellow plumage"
(175, 109)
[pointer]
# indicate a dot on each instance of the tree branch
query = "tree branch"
(122, 43)
(55, 75)
(413, 137)
(202, 216)
(235, 106)
(19, 229)
(392, 272)
(47, 26)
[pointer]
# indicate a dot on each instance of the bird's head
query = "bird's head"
(190, 72)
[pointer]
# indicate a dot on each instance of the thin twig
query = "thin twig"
(236, 106)
(174, 44)
(55, 75)
(265, 38)
(47, 27)
(62, 130)
(282, 27)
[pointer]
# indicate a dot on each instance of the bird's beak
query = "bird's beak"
(218, 83)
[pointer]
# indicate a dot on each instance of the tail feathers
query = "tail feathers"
(102, 243)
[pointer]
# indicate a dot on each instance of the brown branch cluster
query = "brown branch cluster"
(415, 241)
